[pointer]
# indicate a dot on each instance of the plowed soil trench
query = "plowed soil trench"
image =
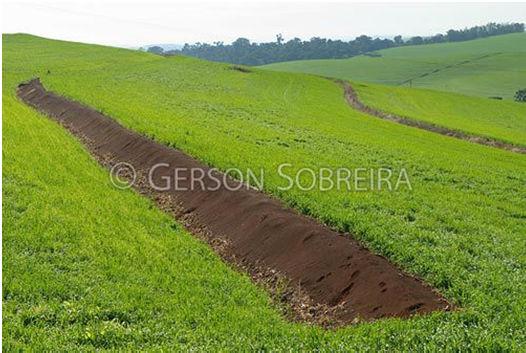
(329, 277)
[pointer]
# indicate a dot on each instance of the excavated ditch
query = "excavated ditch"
(324, 276)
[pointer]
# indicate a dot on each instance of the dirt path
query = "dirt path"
(324, 276)
(354, 101)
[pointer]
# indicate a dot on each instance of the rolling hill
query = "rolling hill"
(87, 266)
(494, 66)
(499, 120)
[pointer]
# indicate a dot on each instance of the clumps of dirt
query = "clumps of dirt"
(323, 277)
(239, 68)
(354, 101)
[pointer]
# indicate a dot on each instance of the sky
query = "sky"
(135, 23)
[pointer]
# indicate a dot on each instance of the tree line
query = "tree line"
(242, 51)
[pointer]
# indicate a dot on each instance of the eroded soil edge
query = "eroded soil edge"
(325, 277)
(352, 98)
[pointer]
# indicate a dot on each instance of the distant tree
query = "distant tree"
(520, 95)
(279, 39)
(437, 38)
(241, 42)
(363, 43)
(415, 41)
(398, 40)
(155, 50)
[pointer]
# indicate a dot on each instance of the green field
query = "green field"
(501, 120)
(87, 266)
(494, 66)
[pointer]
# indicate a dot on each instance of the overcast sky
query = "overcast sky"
(134, 23)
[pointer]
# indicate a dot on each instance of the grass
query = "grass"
(494, 66)
(500, 120)
(87, 266)
(90, 267)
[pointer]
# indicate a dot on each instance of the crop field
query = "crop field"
(502, 120)
(117, 273)
(488, 67)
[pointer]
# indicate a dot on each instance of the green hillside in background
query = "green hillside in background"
(494, 66)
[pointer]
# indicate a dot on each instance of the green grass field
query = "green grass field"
(494, 66)
(501, 120)
(87, 266)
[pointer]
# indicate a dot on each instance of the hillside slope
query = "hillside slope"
(498, 120)
(82, 260)
(494, 66)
